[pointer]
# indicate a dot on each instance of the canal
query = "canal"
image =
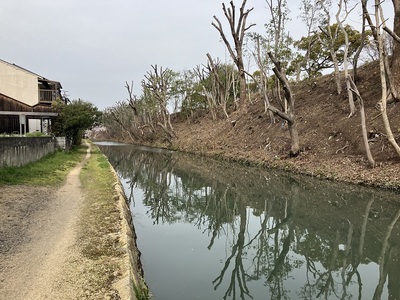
(214, 230)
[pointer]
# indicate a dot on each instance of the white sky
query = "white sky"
(93, 46)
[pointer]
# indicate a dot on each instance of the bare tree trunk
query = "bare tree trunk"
(289, 116)
(122, 126)
(395, 64)
(294, 137)
(363, 122)
(202, 74)
(263, 84)
(331, 37)
(357, 55)
(393, 81)
(383, 102)
(345, 59)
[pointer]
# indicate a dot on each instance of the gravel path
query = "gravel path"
(37, 235)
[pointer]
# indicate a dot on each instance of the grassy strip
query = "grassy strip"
(50, 170)
(99, 229)
(101, 214)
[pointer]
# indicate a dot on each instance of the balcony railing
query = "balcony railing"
(47, 96)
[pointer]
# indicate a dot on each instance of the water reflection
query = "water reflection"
(262, 234)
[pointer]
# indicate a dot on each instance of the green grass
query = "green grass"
(142, 292)
(50, 170)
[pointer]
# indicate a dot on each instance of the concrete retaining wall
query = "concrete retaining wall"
(19, 151)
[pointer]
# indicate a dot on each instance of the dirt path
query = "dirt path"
(37, 235)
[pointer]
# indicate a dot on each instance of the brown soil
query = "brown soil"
(331, 142)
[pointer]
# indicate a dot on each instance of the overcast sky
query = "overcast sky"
(93, 46)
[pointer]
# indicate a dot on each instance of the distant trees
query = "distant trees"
(278, 39)
(310, 17)
(120, 121)
(325, 47)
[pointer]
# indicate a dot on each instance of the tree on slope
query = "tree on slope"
(395, 61)
(384, 73)
(238, 29)
(289, 115)
(157, 87)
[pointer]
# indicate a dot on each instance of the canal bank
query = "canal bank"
(131, 285)
(72, 240)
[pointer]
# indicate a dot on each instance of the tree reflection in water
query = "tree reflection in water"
(275, 226)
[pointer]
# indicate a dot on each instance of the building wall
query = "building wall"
(18, 84)
(19, 151)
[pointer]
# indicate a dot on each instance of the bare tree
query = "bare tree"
(119, 120)
(326, 29)
(280, 40)
(158, 82)
(223, 91)
(395, 63)
(354, 90)
(289, 116)
(263, 83)
(132, 98)
(238, 29)
(346, 50)
(387, 47)
(210, 92)
(279, 13)
(383, 75)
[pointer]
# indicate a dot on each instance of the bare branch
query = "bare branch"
(392, 34)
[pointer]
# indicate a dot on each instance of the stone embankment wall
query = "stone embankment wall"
(131, 285)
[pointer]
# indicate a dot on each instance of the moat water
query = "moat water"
(214, 230)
